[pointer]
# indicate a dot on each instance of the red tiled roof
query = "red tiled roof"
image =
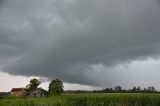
(17, 89)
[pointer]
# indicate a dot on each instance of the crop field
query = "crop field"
(87, 99)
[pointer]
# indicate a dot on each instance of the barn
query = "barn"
(18, 92)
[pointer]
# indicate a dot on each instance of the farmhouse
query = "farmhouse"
(18, 92)
(38, 92)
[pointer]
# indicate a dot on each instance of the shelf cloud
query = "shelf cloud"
(78, 41)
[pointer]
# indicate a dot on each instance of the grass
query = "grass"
(86, 99)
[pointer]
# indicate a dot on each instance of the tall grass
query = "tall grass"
(88, 99)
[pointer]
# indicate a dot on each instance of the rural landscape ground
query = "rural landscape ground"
(86, 99)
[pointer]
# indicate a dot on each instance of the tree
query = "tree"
(34, 83)
(118, 88)
(151, 88)
(139, 89)
(55, 87)
(134, 89)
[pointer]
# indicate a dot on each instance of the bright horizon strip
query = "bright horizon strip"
(146, 71)
(8, 82)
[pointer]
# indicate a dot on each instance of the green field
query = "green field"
(86, 99)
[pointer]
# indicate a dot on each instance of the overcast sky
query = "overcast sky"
(86, 43)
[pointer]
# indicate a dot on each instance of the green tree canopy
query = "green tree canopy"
(55, 87)
(34, 83)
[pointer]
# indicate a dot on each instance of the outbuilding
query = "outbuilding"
(38, 92)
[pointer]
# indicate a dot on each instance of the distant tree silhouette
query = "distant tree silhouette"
(139, 89)
(134, 89)
(151, 88)
(118, 88)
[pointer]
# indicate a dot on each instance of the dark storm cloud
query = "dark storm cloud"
(1, 2)
(73, 39)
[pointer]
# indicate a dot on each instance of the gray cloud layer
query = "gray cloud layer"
(70, 39)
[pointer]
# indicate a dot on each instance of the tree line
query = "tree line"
(118, 89)
(149, 89)
(56, 88)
